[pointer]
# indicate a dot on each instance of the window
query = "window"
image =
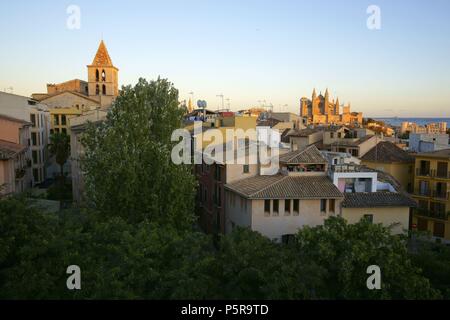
(355, 152)
(33, 119)
(64, 130)
(275, 207)
(56, 120)
(103, 75)
(104, 90)
(332, 205)
(369, 217)
(267, 206)
(246, 168)
(323, 205)
(63, 120)
(439, 229)
(296, 207)
(97, 75)
(34, 138)
(36, 175)
(331, 135)
(35, 156)
(287, 207)
(97, 90)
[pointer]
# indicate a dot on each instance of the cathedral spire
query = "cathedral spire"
(314, 94)
(102, 57)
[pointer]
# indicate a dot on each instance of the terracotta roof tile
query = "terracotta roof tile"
(286, 187)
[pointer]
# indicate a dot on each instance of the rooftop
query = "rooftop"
(9, 149)
(309, 155)
(352, 143)
(388, 152)
(444, 153)
(23, 122)
(303, 132)
(377, 199)
(286, 187)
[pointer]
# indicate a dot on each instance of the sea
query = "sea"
(397, 121)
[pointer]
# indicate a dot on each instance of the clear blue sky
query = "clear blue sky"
(248, 50)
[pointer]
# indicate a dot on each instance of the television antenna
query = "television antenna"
(220, 96)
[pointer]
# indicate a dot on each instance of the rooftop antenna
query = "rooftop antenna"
(220, 96)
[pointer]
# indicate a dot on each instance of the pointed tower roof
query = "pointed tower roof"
(326, 92)
(102, 57)
(337, 101)
(314, 92)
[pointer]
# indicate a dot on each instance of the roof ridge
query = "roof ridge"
(266, 187)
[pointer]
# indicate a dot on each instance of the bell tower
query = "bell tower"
(103, 77)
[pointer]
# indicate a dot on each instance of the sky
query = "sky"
(250, 51)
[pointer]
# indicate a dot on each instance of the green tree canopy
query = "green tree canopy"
(346, 250)
(127, 163)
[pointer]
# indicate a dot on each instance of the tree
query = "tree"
(434, 260)
(60, 148)
(251, 266)
(127, 163)
(346, 250)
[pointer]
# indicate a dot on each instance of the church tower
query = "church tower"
(103, 77)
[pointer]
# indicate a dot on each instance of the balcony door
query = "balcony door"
(442, 169)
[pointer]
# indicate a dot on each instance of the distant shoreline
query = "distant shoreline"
(397, 121)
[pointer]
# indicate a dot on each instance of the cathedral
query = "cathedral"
(320, 110)
(100, 89)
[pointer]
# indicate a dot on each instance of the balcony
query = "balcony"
(442, 195)
(432, 173)
(442, 215)
(421, 172)
(423, 193)
(442, 175)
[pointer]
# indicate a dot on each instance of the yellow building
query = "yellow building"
(221, 125)
(60, 118)
(389, 158)
(431, 190)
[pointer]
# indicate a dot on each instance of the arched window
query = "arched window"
(97, 75)
(103, 75)
(97, 90)
(104, 89)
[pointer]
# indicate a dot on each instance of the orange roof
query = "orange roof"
(102, 57)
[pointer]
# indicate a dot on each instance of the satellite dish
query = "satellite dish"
(201, 104)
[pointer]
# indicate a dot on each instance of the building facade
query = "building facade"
(37, 114)
(431, 190)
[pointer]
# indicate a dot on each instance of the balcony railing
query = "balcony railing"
(442, 215)
(432, 173)
(423, 193)
(442, 175)
(440, 195)
(423, 172)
